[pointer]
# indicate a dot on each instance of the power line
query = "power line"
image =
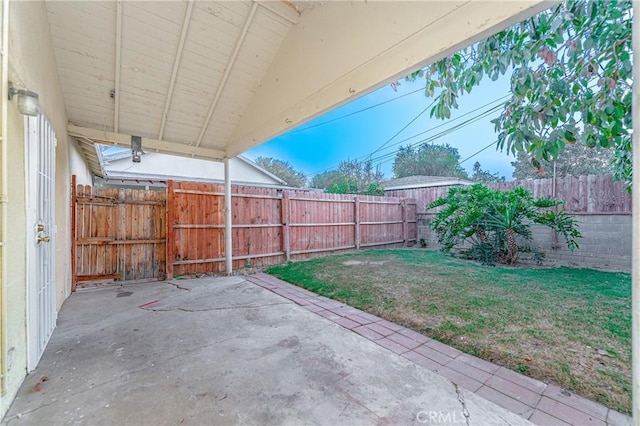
(433, 128)
(446, 131)
(462, 161)
(492, 109)
(355, 112)
(483, 149)
(466, 159)
(437, 135)
(401, 130)
(431, 138)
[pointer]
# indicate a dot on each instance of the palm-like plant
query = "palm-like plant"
(493, 222)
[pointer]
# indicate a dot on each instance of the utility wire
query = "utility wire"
(415, 144)
(355, 112)
(466, 159)
(431, 138)
(435, 137)
(492, 109)
(478, 152)
(401, 130)
(444, 132)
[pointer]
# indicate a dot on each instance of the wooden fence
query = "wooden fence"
(117, 234)
(127, 234)
(594, 194)
(271, 226)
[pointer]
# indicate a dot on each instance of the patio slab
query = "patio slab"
(226, 351)
(541, 403)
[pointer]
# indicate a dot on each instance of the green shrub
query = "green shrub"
(496, 225)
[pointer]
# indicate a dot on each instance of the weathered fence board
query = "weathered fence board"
(422, 196)
(117, 234)
(127, 234)
(595, 194)
(271, 226)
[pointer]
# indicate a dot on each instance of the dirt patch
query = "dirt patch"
(362, 262)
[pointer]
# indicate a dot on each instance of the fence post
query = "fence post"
(554, 195)
(74, 237)
(170, 230)
(228, 219)
(357, 221)
(286, 217)
(405, 224)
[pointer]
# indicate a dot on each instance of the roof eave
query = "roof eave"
(429, 185)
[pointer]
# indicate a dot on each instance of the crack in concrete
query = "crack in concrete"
(507, 422)
(223, 308)
(355, 401)
(82, 389)
(178, 286)
(465, 412)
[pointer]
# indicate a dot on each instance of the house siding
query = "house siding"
(181, 168)
(32, 65)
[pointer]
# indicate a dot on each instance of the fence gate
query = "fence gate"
(119, 234)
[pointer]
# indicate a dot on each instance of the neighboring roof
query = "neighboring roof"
(116, 165)
(148, 183)
(112, 153)
(263, 170)
(92, 155)
(420, 181)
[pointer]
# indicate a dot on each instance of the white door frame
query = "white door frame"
(41, 296)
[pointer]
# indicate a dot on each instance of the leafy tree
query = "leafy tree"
(325, 179)
(496, 224)
(357, 177)
(283, 170)
(484, 176)
(570, 70)
(428, 160)
(576, 160)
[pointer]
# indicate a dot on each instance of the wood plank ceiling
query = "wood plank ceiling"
(175, 71)
(211, 79)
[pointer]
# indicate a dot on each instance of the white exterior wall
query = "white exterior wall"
(163, 166)
(33, 66)
(77, 164)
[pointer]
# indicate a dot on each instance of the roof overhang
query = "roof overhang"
(212, 79)
(452, 182)
(155, 145)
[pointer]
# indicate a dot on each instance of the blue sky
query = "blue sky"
(323, 146)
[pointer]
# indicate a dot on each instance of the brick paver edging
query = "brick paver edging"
(532, 399)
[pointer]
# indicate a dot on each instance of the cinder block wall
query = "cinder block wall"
(426, 237)
(606, 242)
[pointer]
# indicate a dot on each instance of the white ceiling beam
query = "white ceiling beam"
(227, 71)
(282, 10)
(165, 147)
(340, 51)
(116, 112)
(176, 65)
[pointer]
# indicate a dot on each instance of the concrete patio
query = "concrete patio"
(539, 402)
(227, 351)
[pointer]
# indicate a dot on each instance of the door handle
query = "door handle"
(43, 239)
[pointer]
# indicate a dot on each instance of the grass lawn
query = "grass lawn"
(568, 326)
